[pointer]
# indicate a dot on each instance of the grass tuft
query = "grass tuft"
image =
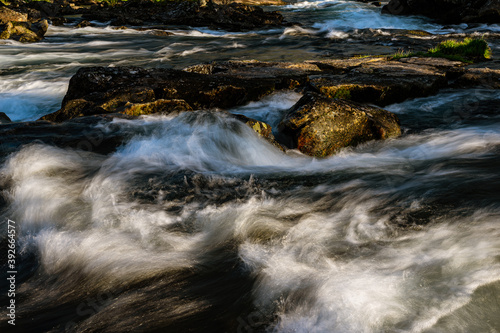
(469, 50)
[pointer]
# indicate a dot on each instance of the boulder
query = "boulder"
(448, 11)
(319, 126)
(99, 90)
(8, 15)
(380, 82)
(24, 31)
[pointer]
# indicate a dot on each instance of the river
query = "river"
(195, 224)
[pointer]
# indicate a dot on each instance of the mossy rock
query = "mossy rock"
(319, 126)
(161, 106)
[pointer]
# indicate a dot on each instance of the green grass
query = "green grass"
(343, 93)
(469, 50)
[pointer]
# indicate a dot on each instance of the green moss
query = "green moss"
(343, 93)
(419, 33)
(468, 51)
(469, 48)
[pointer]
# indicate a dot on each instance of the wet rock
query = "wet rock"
(25, 32)
(448, 11)
(8, 15)
(320, 126)
(161, 106)
(4, 118)
(134, 90)
(286, 75)
(97, 90)
(479, 77)
(379, 82)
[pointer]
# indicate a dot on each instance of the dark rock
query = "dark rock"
(448, 11)
(379, 81)
(234, 17)
(58, 21)
(320, 126)
(98, 90)
(479, 77)
(24, 31)
(136, 91)
(81, 134)
(4, 118)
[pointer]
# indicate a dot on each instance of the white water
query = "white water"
(336, 264)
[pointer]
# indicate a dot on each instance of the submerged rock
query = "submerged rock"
(448, 11)
(320, 126)
(260, 127)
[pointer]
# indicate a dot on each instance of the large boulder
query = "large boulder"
(448, 11)
(320, 126)
(100, 90)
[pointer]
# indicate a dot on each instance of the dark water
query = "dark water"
(195, 224)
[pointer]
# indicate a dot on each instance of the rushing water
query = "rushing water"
(196, 224)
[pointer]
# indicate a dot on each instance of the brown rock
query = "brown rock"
(24, 31)
(482, 77)
(161, 106)
(8, 15)
(320, 126)
(379, 82)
